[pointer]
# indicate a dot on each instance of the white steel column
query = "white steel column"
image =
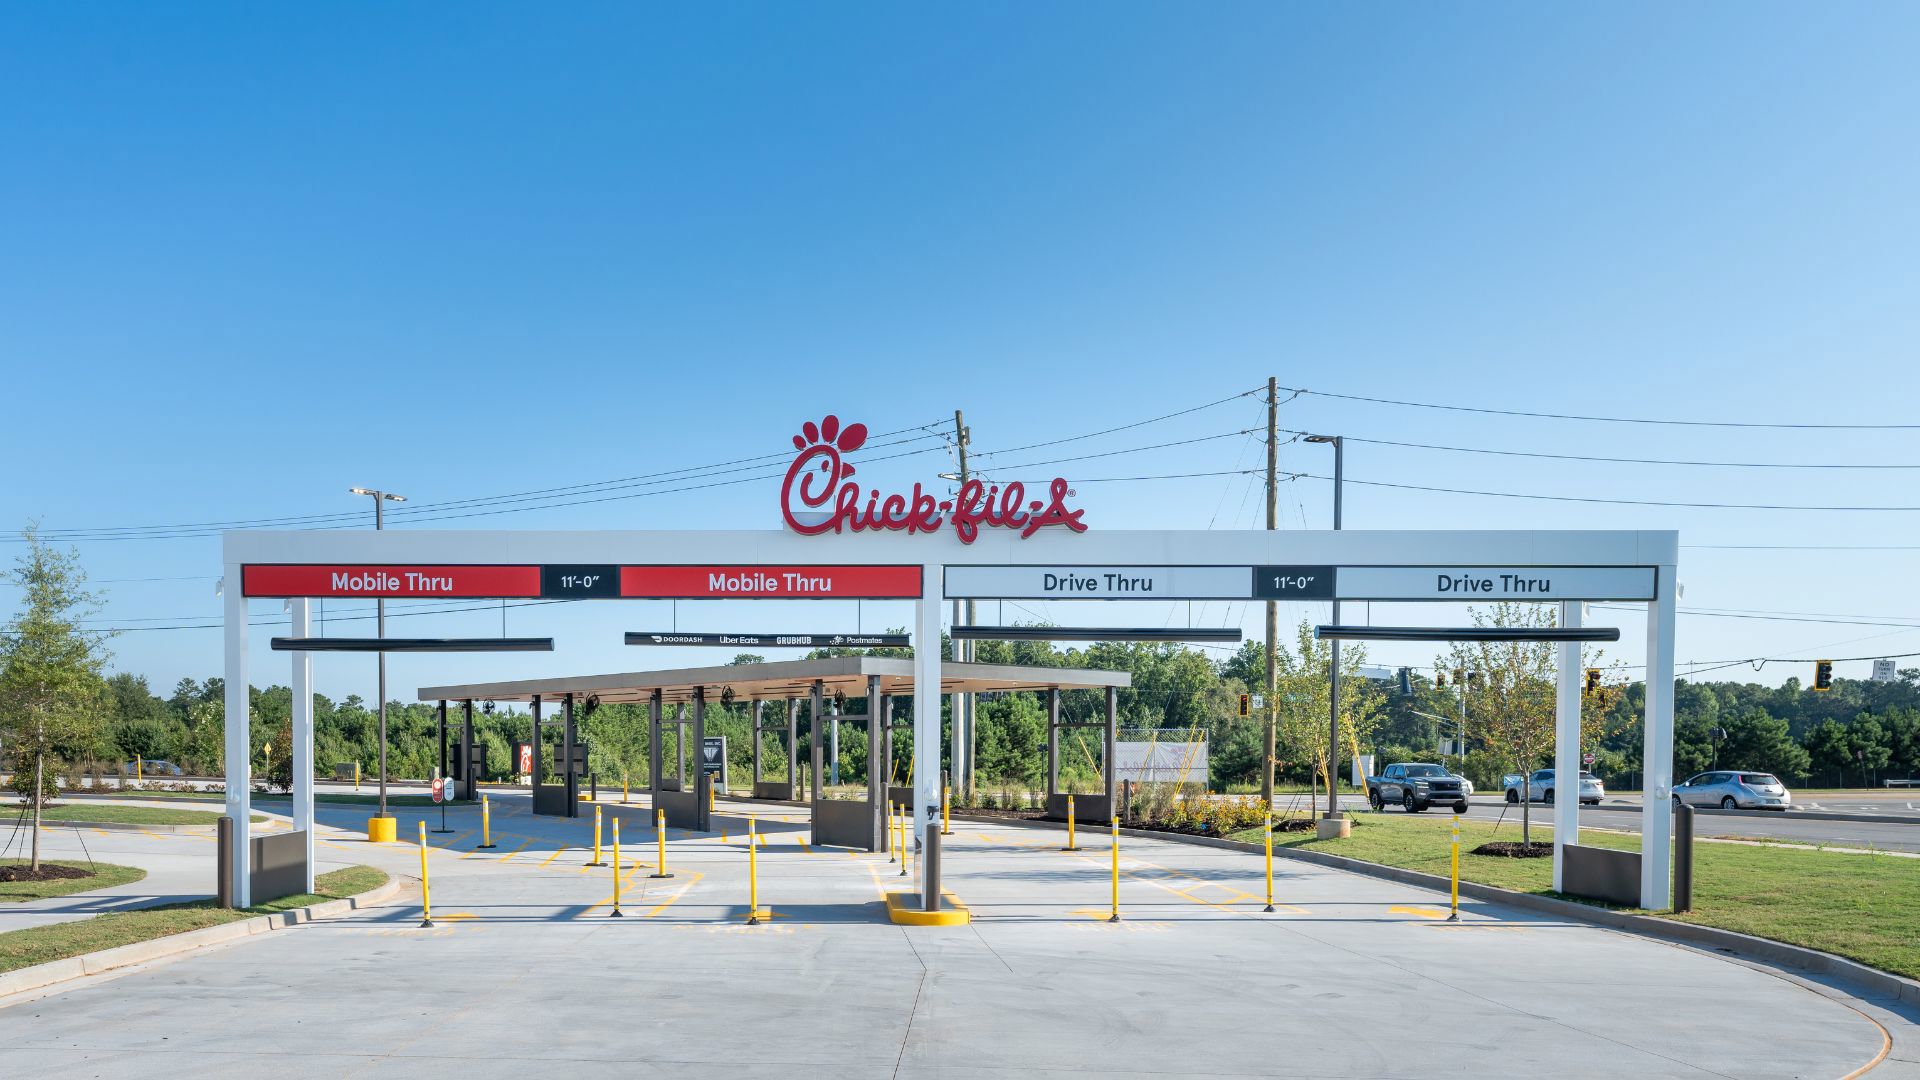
(1566, 747)
(302, 760)
(239, 745)
(1656, 791)
(926, 706)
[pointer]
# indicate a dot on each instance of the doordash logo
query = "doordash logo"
(819, 485)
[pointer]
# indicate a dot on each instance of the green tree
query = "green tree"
(1510, 691)
(50, 665)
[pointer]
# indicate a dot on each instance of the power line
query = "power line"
(1604, 419)
(433, 511)
(1122, 427)
(1618, 460)
(1611, 502)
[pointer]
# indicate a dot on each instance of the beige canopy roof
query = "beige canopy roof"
(781, 679)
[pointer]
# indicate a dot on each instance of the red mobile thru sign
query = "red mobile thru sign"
(389, 580)
(771, 582)
(835, 504)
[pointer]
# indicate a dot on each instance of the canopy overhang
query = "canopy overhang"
(782, 679)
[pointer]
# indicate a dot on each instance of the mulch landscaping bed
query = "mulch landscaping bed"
(1280, 825)
(47, 872)
(1514, 849)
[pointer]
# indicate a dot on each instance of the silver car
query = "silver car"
(1540, 787)
(1734, 790)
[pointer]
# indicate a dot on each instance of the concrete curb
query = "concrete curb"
(1773, 815)
(128, 826)
(58, 971)
(1855, 975)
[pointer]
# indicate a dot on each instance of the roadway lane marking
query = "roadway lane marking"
(1423, 912)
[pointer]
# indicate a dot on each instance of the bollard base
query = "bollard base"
(485, 847)
(426, 924)
(595, 862)
(656, 877)
(382, 830)
(1333, 828)
(903, 909)
(1115, 917)
(615, 914)
(759, 915)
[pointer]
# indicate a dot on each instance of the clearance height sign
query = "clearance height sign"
(584, 582)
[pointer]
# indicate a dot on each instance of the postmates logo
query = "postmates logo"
(819, 496)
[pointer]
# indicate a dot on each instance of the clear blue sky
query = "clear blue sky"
(255, 255)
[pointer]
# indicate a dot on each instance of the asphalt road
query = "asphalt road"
(1790, 827)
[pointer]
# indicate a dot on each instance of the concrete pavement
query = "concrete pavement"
(525, 975)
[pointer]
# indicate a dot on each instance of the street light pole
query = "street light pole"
(1333, 691)
(380, 500)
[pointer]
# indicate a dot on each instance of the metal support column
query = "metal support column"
(1656, 794)
(756, 744)
(654, 759)
(701, 782)
(441, 714)
(239, 745)
(1113, 735)
(1566, 747)
(876, 780)
(470, 762)
(302, 760)
(815, 737)
(570, 779)
(1053, 740)
(833, 743)
(793, 749)
(534, 765)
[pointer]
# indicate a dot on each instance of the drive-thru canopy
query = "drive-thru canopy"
(847, 822)
(989, 552)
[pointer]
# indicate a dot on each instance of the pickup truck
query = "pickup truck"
(1416, 786)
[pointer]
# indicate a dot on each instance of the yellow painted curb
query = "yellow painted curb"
(904, 909)
(382, 830)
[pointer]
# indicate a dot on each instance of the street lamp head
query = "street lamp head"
(378, 494)
(1323, 438)
(393, 498)
(361, 491)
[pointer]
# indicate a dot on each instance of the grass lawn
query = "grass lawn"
(1863, 907)
(105, 875)
(133, 815)
(44, 944)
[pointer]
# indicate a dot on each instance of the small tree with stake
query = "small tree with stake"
(50, 684)
(1512, 694)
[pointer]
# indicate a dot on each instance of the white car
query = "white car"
(1540, 787)
(1734, 790)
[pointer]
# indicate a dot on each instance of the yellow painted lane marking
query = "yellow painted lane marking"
(1422, 912)
(553, 856)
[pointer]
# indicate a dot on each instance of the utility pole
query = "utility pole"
(964, 738)
(1273, 607)
(380, 500)
(1333, 686)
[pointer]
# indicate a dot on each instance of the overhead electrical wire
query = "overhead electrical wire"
(1611, 502)
(1782, 426)
(1621, 460)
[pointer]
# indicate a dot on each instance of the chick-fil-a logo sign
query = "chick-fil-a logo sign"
(819, 485)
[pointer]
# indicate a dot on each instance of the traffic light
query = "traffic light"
(1460, 677)
(1246, 704)
(1823, 674)
(1406, 681)
(1593, 680)
(1439, 679)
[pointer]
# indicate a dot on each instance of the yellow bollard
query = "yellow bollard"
(426, 890)
(356, 776)
(1115, 917)
(902, 826)
(623, 791)
(753, 874)
(1071, 846)
(1454, 915)
(1269, 860)
(893, 844)
(596, 838)
(486, 824)
(137, 764)
(660, 832)
(946, 815)
(616, 870)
